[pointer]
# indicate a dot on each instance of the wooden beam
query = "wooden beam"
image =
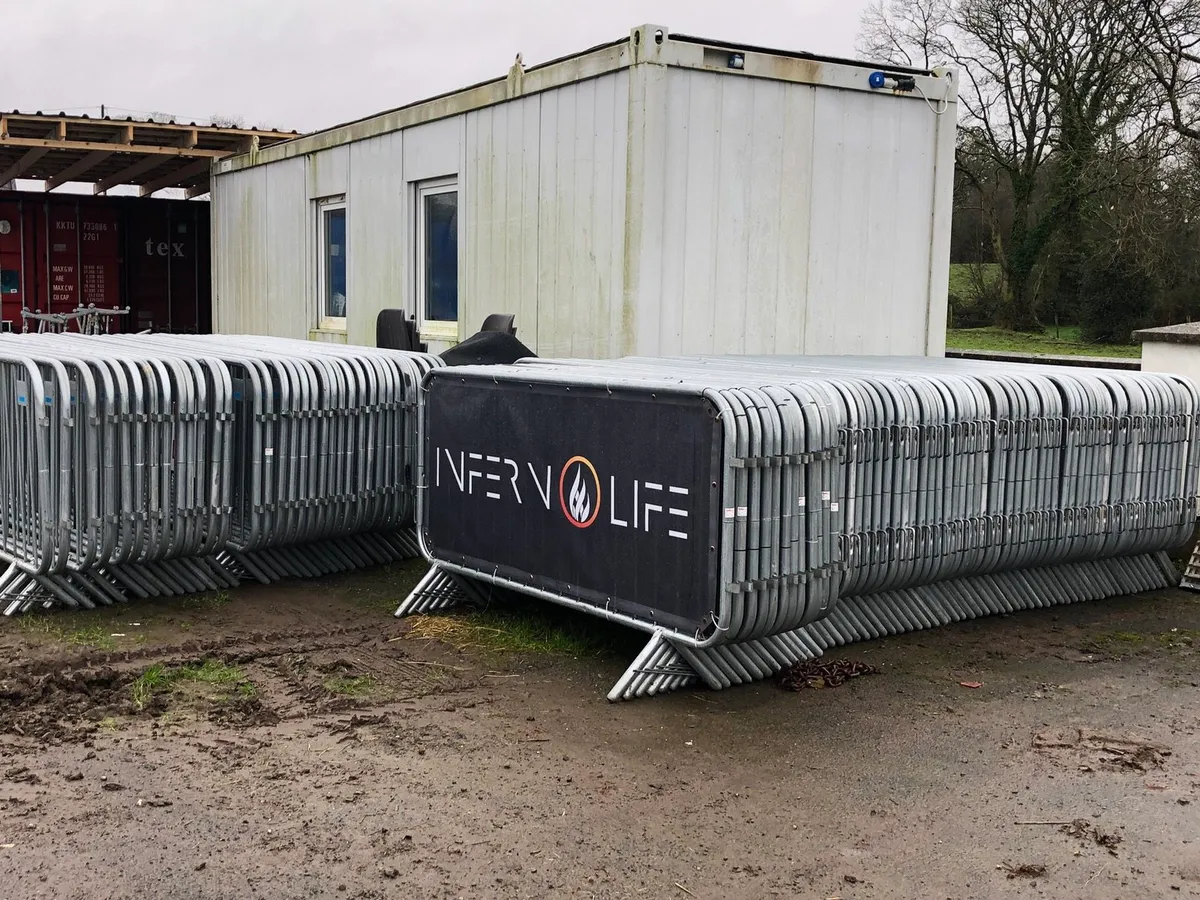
(190, 139)
(71, 172)
(52, 144)
(84, 121)
(172, 177)
(31, 156)
(3, 126)
(197, 190)
(128, 174)
(23, 164)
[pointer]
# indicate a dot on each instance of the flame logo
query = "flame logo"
(581, 503)
(577, 504)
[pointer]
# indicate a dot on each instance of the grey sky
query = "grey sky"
(305, 64)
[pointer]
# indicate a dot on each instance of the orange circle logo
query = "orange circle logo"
(577, 503)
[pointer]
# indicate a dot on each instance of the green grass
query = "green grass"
(350, 686)
(91, 636)
(211, 600)
(159, 678)
(518, 629)
(52, 627)
(382, 590)
(962, 279)
(1063, 341)
(1132, 641)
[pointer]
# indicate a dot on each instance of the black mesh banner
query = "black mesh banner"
(608, 497)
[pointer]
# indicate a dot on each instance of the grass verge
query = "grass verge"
(51, 627)
(210, 600)
(1125, 642)
(382, 590)
(528, 630)
(350, 686)
(160, 679)
(1063, 341)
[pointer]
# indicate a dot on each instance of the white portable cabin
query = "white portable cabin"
(661, 194)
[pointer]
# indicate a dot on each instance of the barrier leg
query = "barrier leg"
(439, 589)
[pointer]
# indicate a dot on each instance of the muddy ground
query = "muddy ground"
(297, 741)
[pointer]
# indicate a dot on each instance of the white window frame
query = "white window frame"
(432, 329)
(323, 206)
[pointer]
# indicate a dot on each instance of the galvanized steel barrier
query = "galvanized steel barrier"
(751, 512)
(149, 465)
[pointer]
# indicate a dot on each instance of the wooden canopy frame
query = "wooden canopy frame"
(108, 152)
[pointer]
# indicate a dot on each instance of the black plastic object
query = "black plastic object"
(395, 331)
(488, 348)
(500, 322)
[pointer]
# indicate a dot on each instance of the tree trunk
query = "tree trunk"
(1018, 262)
(1019, 311)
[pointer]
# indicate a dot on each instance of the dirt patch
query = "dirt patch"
(1103, 750)
(1023, 870)
(67, 705)
(1088, 833)
(822, 673)
(298, 741)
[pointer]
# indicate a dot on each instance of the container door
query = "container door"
(12, 271)
(99, 258)
(62, 240)
(147, 258)
(185, 308)
(203, 267)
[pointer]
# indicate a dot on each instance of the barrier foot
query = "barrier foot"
(438, 590)
(667, 665)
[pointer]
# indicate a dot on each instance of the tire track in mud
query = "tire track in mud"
(293, 674)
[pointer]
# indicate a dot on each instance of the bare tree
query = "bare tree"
(910, 34)
(1169, 32)
(1053, 95)
(227, 122)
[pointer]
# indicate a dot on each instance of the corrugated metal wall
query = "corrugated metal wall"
(657, 209)
(545, 216)
(791, 219)
(542, 207)
(377, 227)
(260, 259)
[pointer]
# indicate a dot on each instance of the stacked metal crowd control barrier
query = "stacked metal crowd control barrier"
(825, 500)
(325, 440)
(115, 471)
(149, 465)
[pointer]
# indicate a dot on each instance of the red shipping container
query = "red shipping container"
(12, 284)
(60, 251)
(99, 257)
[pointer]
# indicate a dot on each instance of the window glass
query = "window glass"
(441, 256)
(335, 262)
(10, 281)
